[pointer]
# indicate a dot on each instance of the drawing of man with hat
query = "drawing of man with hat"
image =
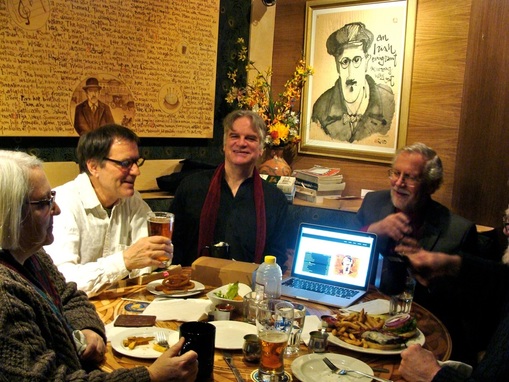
(355, 107)
(92, 113)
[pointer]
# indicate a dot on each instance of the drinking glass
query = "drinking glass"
(161, 224)
(200, 337)
(402, 302)
(274, 319)
(299, 315)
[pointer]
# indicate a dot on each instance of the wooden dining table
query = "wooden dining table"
(113, 301)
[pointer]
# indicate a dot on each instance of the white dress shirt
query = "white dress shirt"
(88, 243)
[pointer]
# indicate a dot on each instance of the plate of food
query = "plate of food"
(374, 334)
(141, 342)
(311, 368)
(230, 334)
(159, 288)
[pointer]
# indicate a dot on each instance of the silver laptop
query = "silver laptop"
(331, 266)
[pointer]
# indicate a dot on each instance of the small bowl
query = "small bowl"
(243, 290)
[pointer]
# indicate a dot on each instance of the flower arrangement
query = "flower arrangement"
(281, 120)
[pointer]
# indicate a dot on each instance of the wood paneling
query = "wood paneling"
(480, 189)
(437, 86)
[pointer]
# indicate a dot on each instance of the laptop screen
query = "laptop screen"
(334, 255)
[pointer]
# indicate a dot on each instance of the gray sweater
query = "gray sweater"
(35, 344)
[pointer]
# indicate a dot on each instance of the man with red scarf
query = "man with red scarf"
(232, 204)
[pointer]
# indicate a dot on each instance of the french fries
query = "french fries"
(349, 327)
(132, 342)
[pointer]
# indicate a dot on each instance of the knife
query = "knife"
(228, 359)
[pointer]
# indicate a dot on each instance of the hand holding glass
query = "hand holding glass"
(161, 224)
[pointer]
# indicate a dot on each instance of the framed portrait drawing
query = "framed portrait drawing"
(356, 103)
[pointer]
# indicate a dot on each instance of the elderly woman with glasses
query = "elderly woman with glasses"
(49, 331)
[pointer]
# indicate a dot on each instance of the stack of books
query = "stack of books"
(316, 183)
(284, 183)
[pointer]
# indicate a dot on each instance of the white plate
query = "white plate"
(419, 339)
(142, 351)
(311, 368)
(230, 334)
(198, 288)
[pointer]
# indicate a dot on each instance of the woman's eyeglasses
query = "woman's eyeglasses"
(44, 202)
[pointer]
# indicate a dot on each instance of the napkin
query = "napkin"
(311, 323)
(178, 309)
(378, 306)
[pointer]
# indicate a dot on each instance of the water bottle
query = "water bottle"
(268, 278)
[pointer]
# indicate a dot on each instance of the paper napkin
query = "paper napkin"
(311, 323)
(178, 309)
(378, 306)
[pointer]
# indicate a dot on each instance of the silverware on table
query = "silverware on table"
(227, 356)
(161, 340)
(339, 371)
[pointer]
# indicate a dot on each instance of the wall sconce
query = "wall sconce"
(269, 3)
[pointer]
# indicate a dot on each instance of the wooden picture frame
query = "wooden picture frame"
(356, 103)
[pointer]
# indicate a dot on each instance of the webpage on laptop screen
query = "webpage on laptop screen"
(338, 257)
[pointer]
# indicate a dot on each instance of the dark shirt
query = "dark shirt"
(440, 230)
(236, 222)
(485, 298)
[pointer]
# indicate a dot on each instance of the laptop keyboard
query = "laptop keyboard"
(321, 288)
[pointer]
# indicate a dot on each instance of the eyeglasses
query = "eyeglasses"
(44, 202)
(409, 180)
(345, 62)
(505, 220)
(128, 163)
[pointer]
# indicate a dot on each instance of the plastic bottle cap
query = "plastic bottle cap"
(270, 259)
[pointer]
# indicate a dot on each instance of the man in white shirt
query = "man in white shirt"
(101, 235)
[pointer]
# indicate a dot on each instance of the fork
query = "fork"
(161, 339)
(337, 370)
(227, 356)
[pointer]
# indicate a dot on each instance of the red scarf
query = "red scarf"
(210, 210)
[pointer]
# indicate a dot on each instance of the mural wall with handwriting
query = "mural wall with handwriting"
(150, 63)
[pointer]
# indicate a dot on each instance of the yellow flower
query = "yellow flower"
(277, 112)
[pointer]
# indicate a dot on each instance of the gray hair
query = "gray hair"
(15, 187)
(256, 122)
(433, 172)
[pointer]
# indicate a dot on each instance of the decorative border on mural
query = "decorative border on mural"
(356, 104)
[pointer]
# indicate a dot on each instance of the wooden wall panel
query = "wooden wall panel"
(437, 86)
(482, 170)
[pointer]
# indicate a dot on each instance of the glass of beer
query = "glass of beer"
(161, 224)
(274, 321)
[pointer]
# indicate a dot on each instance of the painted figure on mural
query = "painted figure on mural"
(92, 113)
(355, 107)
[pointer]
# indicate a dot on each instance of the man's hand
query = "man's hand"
(151, 251)
(428, 265)
(94, 352)
(396, 226)
(418, 364)
(171, 367)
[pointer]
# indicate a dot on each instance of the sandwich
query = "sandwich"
(394, 333)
